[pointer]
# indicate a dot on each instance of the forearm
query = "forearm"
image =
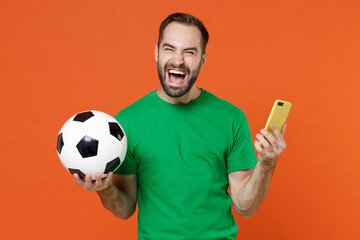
(117, 201)
(250, 197)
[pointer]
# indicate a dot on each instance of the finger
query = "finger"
(107, 180)
(280, 136)
(257, 146)
(98, 181)
(263, 141)
(274, 129)
(269, 137)
(88, 182)
(78, 180)
(277, 134)
(284, 129)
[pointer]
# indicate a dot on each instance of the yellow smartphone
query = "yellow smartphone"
(278, 115)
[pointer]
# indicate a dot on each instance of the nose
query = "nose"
(178, 58)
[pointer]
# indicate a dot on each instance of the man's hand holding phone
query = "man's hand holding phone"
(270, 142)
(271, 146)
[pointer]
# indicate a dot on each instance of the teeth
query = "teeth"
(176, 72)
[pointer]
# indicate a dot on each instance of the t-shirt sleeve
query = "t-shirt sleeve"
(242, 154)
(128, 166)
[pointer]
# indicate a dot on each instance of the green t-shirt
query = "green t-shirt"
(182, 155)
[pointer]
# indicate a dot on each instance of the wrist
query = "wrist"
(107, 190)
(266, 166)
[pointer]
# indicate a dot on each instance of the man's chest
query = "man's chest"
(193, 146)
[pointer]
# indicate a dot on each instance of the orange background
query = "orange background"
(61, 57)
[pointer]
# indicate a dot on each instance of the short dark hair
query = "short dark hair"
(186, 19)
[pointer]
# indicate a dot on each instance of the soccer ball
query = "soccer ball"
(91, 142)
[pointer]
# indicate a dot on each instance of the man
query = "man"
(185, 147)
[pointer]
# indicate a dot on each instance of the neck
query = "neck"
(190, 96)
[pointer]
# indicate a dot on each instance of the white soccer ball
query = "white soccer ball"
(91, 142)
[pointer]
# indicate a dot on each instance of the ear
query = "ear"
(203, 60)
(156, 53)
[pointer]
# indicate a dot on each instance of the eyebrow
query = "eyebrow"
(185, 49)
(167, 45)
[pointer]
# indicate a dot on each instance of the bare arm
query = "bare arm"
(249, 187)
(118, 193)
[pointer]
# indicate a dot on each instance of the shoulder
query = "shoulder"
(224, 106)
(135, 110)
(137, 106)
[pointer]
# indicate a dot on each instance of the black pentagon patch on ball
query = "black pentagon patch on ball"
(116, 131)
(60, 143)
(80, 173)
(88, 147)
(112, 165)
(82, 117)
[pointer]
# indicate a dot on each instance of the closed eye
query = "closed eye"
(168, 47)
(190, 52)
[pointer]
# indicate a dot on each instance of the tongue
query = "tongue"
(175, 78)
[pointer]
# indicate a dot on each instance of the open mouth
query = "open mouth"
(176, 77)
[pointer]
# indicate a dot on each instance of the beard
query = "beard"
(177, 92)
